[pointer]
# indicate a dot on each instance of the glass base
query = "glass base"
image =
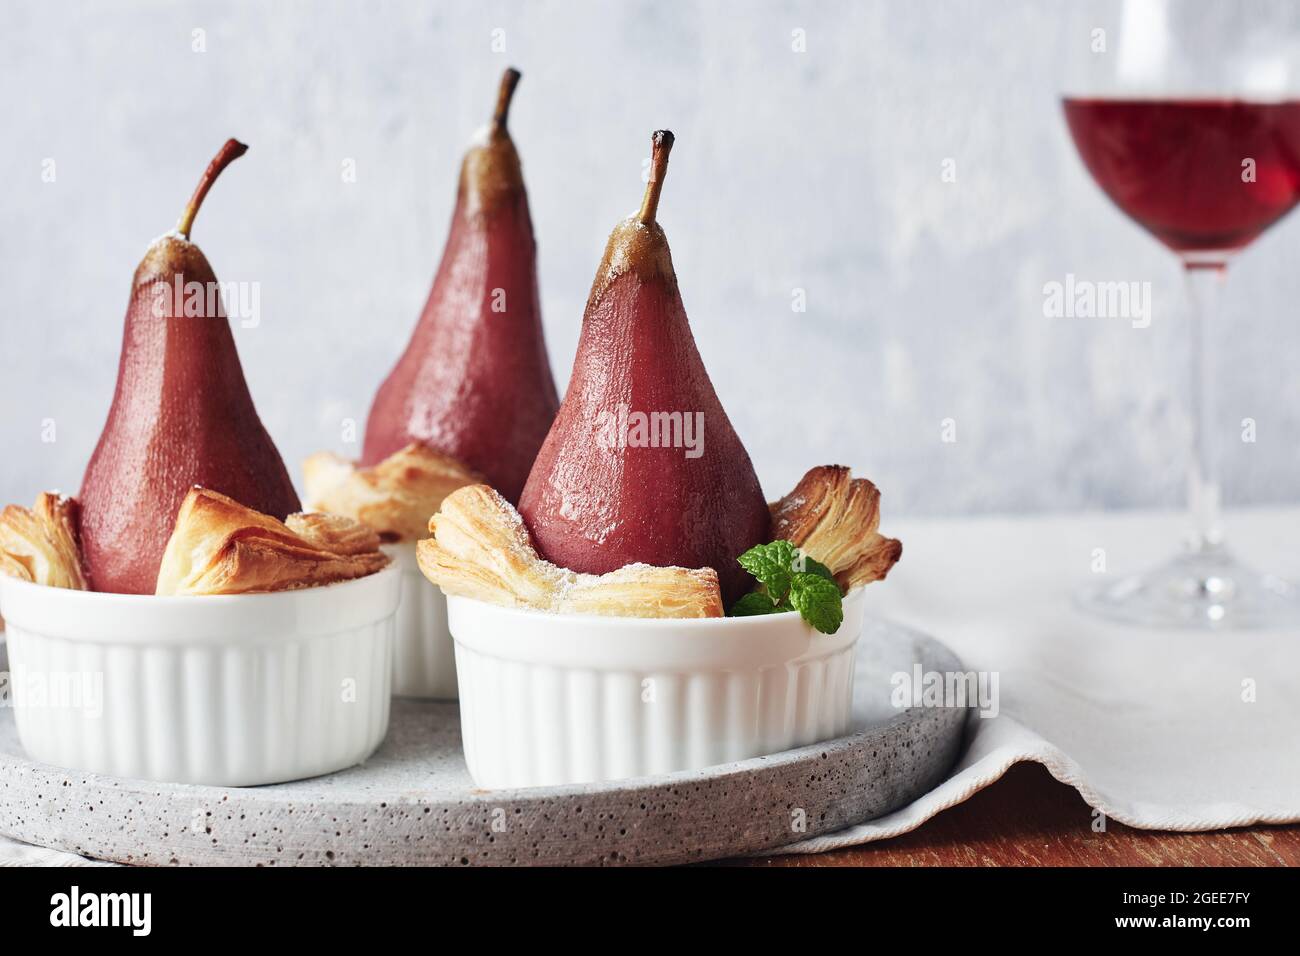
(1207, 590)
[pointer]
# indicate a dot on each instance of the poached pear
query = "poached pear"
(181, 414)
(642, 464)
(474, 382)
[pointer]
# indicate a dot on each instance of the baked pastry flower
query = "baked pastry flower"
(395, 497)
(221, 547)
(41, 545)
(832, 517)
(480, 548)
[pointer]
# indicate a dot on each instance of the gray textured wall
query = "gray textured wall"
(818, 170)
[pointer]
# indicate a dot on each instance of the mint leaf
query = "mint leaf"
(817, 600)
(755, 602)
(771, 564)
(812, 566)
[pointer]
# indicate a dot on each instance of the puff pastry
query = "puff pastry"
(221, 547)
(42, 545)
(395, 497)
(481, 549)
(333, 533)
(833, 518)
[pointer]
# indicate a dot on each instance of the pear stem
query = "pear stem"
(509, 80)
(661, 144)
(228, 153)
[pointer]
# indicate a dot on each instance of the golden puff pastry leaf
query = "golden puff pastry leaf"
(334, 532)
(643, 590)
(833, 518)
(395, 497)
(221, 547)
(481, 549)
(42, 545)
(12, 567)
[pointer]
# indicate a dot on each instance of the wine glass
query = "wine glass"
(1186, 115)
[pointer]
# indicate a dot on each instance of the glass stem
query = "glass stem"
(1204, 288)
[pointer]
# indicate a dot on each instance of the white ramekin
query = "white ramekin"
(424, 661)
(230, 690)
(557, 699)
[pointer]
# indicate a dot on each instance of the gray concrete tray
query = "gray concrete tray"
(413, 802)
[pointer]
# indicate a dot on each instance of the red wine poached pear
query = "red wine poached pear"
(607, 491)
(474, 381)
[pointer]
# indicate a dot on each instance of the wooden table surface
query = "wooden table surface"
(1029, 819)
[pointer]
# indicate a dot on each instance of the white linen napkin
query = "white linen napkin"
(1158, 729)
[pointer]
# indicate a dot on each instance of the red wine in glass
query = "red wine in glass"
(1204, 176)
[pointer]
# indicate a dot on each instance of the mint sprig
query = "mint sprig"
(789, 580)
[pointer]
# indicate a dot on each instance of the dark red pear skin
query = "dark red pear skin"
(181, 416)
(594, 505)
(475, 382)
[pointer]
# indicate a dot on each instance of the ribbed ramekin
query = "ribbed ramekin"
(556, 699)
(424, 661)
(230, 690)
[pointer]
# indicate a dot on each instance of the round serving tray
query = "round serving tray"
(413, 802)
